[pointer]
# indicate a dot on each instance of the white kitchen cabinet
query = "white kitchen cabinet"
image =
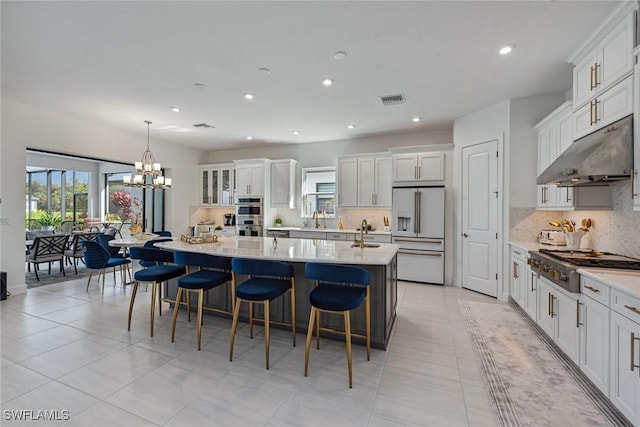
(374, 181)
(557, 316)
(379, 238)
(299, 234)
(216, 184)
(594, 334)
(531, 293)
(364, 181)
(518, 275)
(348, 182)
(624, 389)
(606, 57)
(283, 182)
(418, 167)
(609, 106)
(250, 179)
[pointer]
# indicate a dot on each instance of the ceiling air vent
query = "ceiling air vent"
(392, 99)
(203, 126)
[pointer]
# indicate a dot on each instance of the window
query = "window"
(319, 191)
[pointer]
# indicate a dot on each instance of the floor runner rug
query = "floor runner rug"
(529, 380)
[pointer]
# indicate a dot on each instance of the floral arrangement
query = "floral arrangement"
(135, 229)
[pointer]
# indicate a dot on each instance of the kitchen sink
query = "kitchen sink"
(366, 245)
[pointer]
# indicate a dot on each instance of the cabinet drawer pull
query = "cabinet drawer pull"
(516, 252)
(634, 309)
(532, 279)
(549, 304)
(597, 291)
(418, 252)
(515, 270)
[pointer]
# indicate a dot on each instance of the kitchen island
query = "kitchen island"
(380, 261)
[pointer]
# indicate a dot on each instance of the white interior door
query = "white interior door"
(480, 218)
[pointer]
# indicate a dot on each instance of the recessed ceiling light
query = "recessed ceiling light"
(199, 85)
(264, 71)
(249, 138)
(351, 126)
(295, 132)
(327, 82)
(416, 119)
(248, 95)
(176, 109)
(341, 54)
(504, 50)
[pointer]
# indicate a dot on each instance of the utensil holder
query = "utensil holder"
(574, 239)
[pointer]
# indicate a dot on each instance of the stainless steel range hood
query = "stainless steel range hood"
(601, 156)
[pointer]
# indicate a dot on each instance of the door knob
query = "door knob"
(465, 234)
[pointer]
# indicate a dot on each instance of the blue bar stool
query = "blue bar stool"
(98, 258)
(267, 281)
(339, 289)
(165, 270)
(217, 272)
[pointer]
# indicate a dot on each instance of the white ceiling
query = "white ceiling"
(121, 63)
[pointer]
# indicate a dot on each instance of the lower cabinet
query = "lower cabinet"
(624, 389)
(557, 316)
(594, 342)
(530, 304)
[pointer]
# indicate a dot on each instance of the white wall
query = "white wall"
(24, 127)
(511, 123)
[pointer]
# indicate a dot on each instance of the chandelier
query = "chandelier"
(147, 168)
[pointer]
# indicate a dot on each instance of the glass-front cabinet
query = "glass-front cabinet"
(216, 183)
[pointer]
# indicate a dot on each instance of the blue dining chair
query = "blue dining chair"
(204, 272)
(150, 244)
(104, 239)
(96, 257)
(267, 281)
(338, 289)
(163, 271)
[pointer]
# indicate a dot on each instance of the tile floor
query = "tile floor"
(66, 349)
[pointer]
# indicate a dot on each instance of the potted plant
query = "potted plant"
(278, 222)
(218, 231)
(50, 221)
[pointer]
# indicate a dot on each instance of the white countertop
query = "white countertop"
(627, 281)
(326, 230)
(530, 246)
(294, 250)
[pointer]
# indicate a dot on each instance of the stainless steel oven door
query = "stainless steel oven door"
(249, 230)
(249, 210)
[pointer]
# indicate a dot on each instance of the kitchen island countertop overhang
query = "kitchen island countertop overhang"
(381, 262)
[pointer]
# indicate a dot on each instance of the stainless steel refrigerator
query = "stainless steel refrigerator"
(418, 227)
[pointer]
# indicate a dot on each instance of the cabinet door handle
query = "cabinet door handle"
(596, 77)
(633, 351)
(634, 173)
(515, 270)
(597, 291)
(549, 304)
(596, 114)
(532, 288)
(419, 172)
(591, 122)
(578, 304)
(592, 69)
(415, 172)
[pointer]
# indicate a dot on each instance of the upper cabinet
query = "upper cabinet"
(283, 182)
(602, 64)
(364, 181)
(554, 137)
(418, 167)
(216, 184)
(250, 177)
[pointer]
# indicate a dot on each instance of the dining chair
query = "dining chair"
(98, 258)
(150, 244)
(338, 289)
(73, 251)
(47, 249)
(165, 270)
(204, 272)
(104, 239)
(267, 281)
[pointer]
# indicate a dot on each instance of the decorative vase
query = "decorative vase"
(574, 239)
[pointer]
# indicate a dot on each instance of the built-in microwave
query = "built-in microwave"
(249, 206)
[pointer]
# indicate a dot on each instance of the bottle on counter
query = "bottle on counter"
(340, 224)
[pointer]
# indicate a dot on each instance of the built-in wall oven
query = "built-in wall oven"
(249, 216)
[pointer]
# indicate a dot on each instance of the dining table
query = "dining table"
(127, 243)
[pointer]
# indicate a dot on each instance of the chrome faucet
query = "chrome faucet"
(315, 216)
(364, 228)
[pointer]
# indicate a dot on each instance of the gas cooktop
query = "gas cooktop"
(591, 258)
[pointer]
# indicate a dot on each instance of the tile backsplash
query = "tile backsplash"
(351, 218)
(616, 231)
